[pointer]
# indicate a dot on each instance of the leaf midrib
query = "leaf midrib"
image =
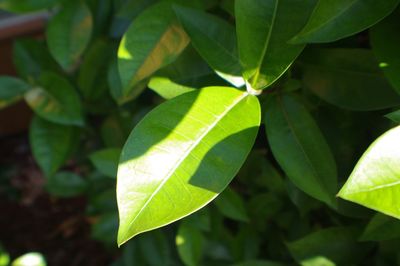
(187, 152)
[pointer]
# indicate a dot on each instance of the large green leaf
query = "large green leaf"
(154, 40)
(347, 78)
(182, 155)
(69, 32)
(375, 180)
(381, 227)
(51, 144)
(190, 243)
(385, 41)
(26, 5)
(332, 20)
(11, 90)
(300, 148)
(55, 100)
(264, 27)
(215, 40)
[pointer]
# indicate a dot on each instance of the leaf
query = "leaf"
(374, 182)
(106, 161)
(338, 244)
(263, 28)
(69, 32)
(55, 100)
(154, 40)
(22, 6)
(155, 249)
(166, 165)
(260, 263)
(66, 184)
(231, 205)
(31, 58)
(215, 40)
(11, 90)
(335, 19)
(105, 229)
(385, 41)
(300, 148)
(31, 259)
(347, 78)
(190, 244)
(51, 144)
(394, 116)
(380, 228)
(166, 88)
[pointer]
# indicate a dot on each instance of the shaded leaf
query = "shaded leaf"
(231, 205)
(166, 164)
(374, 182)
(66, 184)
(190, 243)
(347, 78)
(55, 100)
(300, 148)
(106, 161)
(155, 248)
(51, 144)
(263, 28)
(215, 41)
(333, 20)
(394, 116)
(105, 228)
(69, 32)
(381, 227)
(11, 90)
(154, 40)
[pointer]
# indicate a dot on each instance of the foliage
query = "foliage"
(263, 105)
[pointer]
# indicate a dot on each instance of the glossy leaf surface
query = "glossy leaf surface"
(69, 32)
(347, 78)
(11, 90)
(263, 30)
(154, 40)
(332, 20)
(375, 181)
(182, 155)
(106, 161)
(385, 41)
(300, 148)
(51, 144)
(215, 40)
(55, 100)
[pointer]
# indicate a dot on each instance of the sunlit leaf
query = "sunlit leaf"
(182, 155)
(381, 227)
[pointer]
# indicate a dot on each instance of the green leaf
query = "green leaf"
(11, 90)
(231, 205)
(394, 116)
(106, 161)
(105, 229)
(155, 249)
(300, 148)
(190, 244)
(23, 6)
(31, 58)
(30, 259)
(215, 40)
(263, 28)
(385, 41)
(166, 88)
(167, 163)
(55, 100)
(66, 184)
(51, 144)
(374, 182)
(380, 228)
(335, 19)
(69, 32)
(4, 256)
(347, 78)
(338, 244)
(261, 263)
(154, 40)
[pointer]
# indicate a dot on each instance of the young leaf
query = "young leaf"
(182, 155)
(106, 161)
(51, 144)
(66, 184)
(55, 100)
(263, 29)
(154, 40)
(334, 20)
(380, 228)
(375, 181)
(11, 90)
(190, 244)
(231, 205)
(215, 40)
(347, 78)
(300, 148)
(385, 41)
(69, 32)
